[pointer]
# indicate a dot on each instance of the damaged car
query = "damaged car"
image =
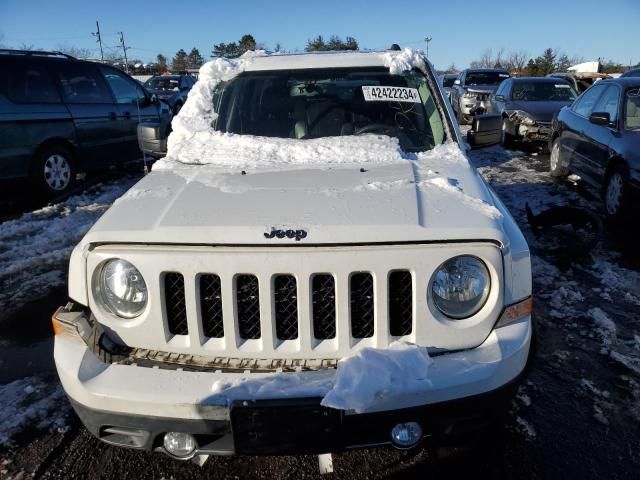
(471, 91)
(598, 138)
(315, 265)
(527, 106)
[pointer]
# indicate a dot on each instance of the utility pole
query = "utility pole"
(427, 40)
(99, 40)
(124, 49)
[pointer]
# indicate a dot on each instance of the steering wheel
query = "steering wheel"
(377, 127)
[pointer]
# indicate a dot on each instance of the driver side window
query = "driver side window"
(124, 89)
(585, 104)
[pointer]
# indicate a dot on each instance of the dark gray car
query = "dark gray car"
(527, 106)
(173, 89)
(60, 117)
(470, 92)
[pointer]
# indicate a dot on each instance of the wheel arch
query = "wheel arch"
(616, 162)
(56, 141)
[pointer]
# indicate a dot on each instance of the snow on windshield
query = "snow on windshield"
(195, 141)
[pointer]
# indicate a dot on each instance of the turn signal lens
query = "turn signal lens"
(515, 312)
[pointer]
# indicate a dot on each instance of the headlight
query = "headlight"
(460, 286)
(470, 95)
(121, 288)
(523, 117)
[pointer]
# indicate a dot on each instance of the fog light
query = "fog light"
(406, 435)
(179, 444)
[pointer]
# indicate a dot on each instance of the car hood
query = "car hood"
(346, 204)
(540, 111)
(481, 88)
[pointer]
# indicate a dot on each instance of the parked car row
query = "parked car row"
(61, 117)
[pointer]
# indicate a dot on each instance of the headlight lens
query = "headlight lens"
(470, 95)
(460, 286)
(122, 288)
(524, 117)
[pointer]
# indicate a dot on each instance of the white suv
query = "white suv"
(314, 266)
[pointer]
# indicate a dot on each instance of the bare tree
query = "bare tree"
(77, 52)
(27, 46)
(517, 60)
(498, 61)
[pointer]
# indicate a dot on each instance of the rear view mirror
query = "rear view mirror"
(486, 130)
(600, 118)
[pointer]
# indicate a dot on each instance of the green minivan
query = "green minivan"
(61, 117)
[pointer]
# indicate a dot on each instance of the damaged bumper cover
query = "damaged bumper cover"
(529, 129)
(133, 404)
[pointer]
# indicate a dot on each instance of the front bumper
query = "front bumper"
(535, 133)
(134, 406)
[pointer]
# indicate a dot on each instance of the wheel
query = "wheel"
(506, 139)
(53, 170)
(615, 195)
(558, 166)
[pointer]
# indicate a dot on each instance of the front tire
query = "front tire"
(615, 193)
(558, 167)
(53, 171)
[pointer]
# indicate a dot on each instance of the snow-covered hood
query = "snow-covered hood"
(436, 197)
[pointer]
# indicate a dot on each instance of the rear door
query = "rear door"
(593, 146)
(133, 107)
(94, 113)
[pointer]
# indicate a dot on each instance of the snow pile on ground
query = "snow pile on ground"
(35, 248)
(606, 327)
(373, 373)
(31, 402)
(360, 379)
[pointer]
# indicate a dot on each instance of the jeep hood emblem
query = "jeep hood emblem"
(277, 233)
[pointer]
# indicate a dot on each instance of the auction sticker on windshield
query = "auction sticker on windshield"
(390, 94)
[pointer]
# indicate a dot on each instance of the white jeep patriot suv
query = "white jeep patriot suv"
(314, 266)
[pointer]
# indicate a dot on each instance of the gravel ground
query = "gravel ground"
(577, 416)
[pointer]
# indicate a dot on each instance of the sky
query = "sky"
(460, 30)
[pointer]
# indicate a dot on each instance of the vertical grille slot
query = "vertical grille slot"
(175, 303)
(400, 303)
(211, 306)
(362, 304)
(286, 306)
(323, 299)
(248, 306)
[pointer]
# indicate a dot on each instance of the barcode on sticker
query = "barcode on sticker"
(390, 94)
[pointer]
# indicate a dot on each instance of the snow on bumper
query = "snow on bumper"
(136, 390)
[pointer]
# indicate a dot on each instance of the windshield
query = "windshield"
(632, 109)
(163, 83)
(448, 81)
(485, 78)
(328, 103)
(543, 92)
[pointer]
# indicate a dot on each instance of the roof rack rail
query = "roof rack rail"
(43, 53)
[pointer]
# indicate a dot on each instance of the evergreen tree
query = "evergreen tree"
(318, 44)
(234, 50)
(247, 43)
(194, 59)
(179, 62)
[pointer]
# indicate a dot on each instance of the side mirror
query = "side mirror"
(153, 98)
(486, 130)
(152, 138)
(456, 81)
(600, 118)
(499, 98)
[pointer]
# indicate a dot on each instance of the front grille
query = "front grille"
(211, 306)
(175, 303)
(323, 298)
(285, 303)
(248, 306)
(286, 307)
(362, 303)
(400, 303)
